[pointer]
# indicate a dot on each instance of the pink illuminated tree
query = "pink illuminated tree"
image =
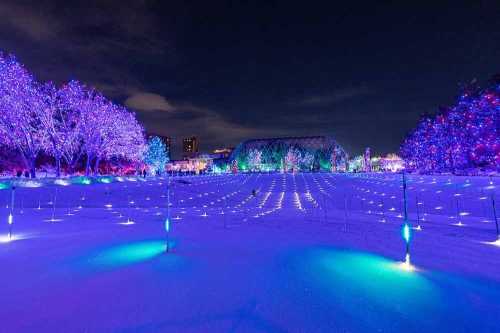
(254, 159)
(292, 159)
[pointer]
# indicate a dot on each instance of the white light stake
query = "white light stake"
(10, 221)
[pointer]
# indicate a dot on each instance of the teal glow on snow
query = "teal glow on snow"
(131, 253)
(4, 186)
(352, 279)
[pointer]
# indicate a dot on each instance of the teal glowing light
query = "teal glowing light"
(81, 180)
(167, 225)
(4, 186)
(406, 233)
(129, 254)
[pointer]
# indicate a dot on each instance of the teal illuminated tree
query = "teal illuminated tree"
(254, 159)
(156, 155)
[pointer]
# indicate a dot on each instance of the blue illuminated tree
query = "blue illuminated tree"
(156, 155)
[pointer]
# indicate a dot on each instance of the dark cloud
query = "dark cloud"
(331, 98)
(31, 24)
(144, 101)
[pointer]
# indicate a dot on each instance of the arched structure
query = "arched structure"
(310, 153)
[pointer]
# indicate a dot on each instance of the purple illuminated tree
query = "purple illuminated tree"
(67, 123)
(22, 102)
(462, 137)
(60, 121)
(82, 122)
(127, 140)
(107, 130)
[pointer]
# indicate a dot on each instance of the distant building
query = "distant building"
(190, 147)
(195, 165)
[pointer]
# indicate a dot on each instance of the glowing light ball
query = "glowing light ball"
(406, 233)
(28, 183)
(81, 180)
(6, 238)
(105, 180)
(62, 182)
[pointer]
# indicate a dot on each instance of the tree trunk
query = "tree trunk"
(72, 164)
(58, 166)
(29, 162)
(96, 166)
(87, 165)
(32, 167)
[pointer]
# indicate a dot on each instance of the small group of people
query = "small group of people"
(20, 173)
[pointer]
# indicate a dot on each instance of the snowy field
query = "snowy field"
(306, 253)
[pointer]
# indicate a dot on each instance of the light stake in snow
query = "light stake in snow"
(345, 213)
(54, 207)
(10, 219)
(495, 216)
(418, 213)
(167, 221)
(167, 229)
(406, 227)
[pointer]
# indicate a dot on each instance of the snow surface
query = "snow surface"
(307, 253)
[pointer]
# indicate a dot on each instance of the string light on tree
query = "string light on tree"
(461, 137)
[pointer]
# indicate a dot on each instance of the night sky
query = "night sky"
(228, 71)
